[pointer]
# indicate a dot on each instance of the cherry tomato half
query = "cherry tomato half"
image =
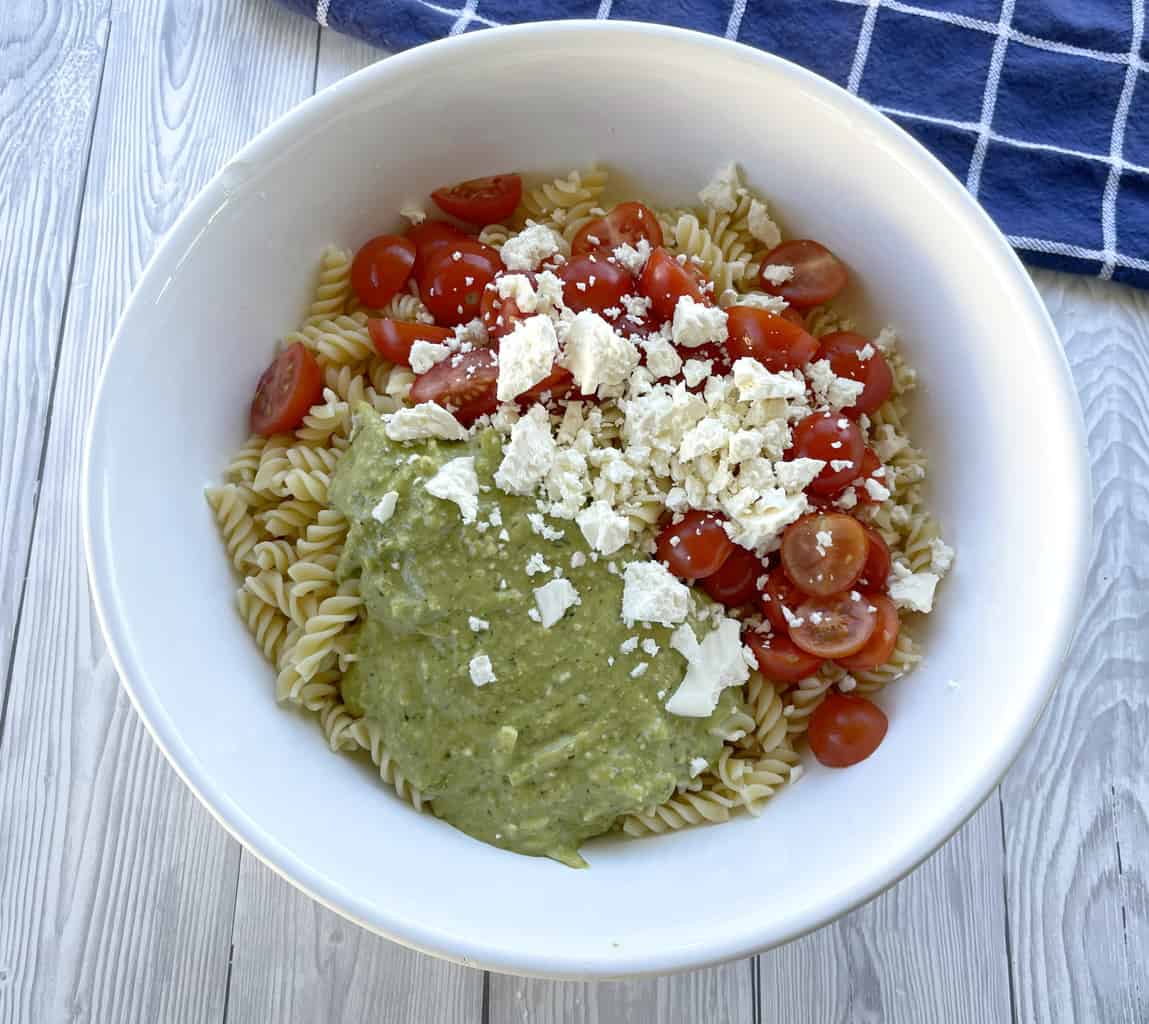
(590, 282)
(736, 583)
(881, 645)
(463, 384)
(780, 593)
(381, 267)
(845, 729)
(834, 626)
(877, 568)
(481, 200)
(841, 349)
(779, 660)
(835, 439)
(452, 282)
(696, 546)
(555, 385)
(870, 463)
(291, 385)
(664, 281)
(775, 341)
(428, 237)
(824, 553)
(818, 274)
(393, 338)
(627, 223)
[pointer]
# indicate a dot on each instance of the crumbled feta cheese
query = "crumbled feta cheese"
(639, 669)
(697, 766)
(413, 212)
(848, 500)
(526, 356)
(777, 273)
(633, 257)
(887, 340)
(629, 645)
(529, 455)
(425, 354)
(604, 529)
(847, 683)
(662, 358)
(723, 190)
(536, 564)
(481, 670)
(755, 382)
(477, 625)
(385, 509)
(867, 351)
(711, 666)
(823, 541)
(878, 492)
(427, 419)
(554, 599)
(539, 526)
(650, 646)
(831, 390)
(760, 300)
(578, 559)
(797, 474)
(695, 371)
(913, 591)
(708, 435)
(757, 519)
(761, 226)
(651, 594)
(796, 772)
(595, 354)
(941, 556)
(697, 324)
(457, 481)
(532, 245)
(838, 465)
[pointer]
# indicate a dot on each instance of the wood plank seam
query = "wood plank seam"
(1005, 909)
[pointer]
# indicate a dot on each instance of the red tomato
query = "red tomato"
(463, 384)
(824, 553)
(830, 437)
(291, 385)
(793, 315)
(664, 281)
(590, 282)
(834, 626)
(776, 342)
(381, 268)
(736, 583)
(429, 237)
(841, 349)
(451, 284)
(818, 274)
(779, 660)
(481, 200)
(780, 593)
(501, 316)
(881, 645)
(713, 351)
(870, 463)
(627, 223)
(696, 546)
(845, 729)
(393, 338)
(557, 384)
(877, 567)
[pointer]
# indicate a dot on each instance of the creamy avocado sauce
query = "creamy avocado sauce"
(563, 742)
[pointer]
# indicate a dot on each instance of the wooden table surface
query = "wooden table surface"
(122, 900)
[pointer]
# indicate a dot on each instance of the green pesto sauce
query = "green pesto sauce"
(563, 742)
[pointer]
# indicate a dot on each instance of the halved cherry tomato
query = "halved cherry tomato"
(627, 223)
(877, 568)
(381, 267)
(870, 463)
(881, 645)
(818, 274)
(780, 593)
(451, 284)
(481, 200)
(775, 341)
(793, 315)
(428, 237)
(590, 282)
(463, 384)
(501, 316)
(841, 349)
(715, 352)
(736, 583)
(664, 281)
(833, 438)
(696, 546)
(834, 626)
(824, 553)
(291, 385)
(557, 384)
(845, 729)
(393, 338)
(779, 660)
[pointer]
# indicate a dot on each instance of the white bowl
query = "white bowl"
(997, 413)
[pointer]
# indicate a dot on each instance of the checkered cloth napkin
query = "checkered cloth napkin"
(1041, 107)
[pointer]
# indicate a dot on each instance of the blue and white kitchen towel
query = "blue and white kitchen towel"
(1040, 106)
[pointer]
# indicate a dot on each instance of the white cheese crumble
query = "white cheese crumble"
(639, 669)
(697, 766)
(755, 382)
(633, 257)
(651, 594)
(777, 273)
(427, 419)
(385, 509)
(604, 529)
(711, 666)
(695, 371)
(532, 245)
(457, 481)
(537, 565)
(650, 646)
(528, 455)
(723, 190)
(831, 390)
(481, 670)
(425, 354)
(761, 226)
(823, 541)
(697, 324)
(797, 474)
(526, 356)
(878, 492)
(708, 435)
(941, 556)
(476, 624)
(629, 645)
(595, 354)
(913, 591)
(413, 212)
(554, 599)
(662, 358)
(847, 683)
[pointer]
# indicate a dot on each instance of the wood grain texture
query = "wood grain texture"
(116, 889)
(930, 949)
(52, 56)
(1077, 803)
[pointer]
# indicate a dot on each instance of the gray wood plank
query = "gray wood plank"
(930, 949)
(117, 888)
(51, 61)
(296, 961)
(1077, 803)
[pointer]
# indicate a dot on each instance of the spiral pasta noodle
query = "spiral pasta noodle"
(333, 285)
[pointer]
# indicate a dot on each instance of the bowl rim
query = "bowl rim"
(470, 950)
